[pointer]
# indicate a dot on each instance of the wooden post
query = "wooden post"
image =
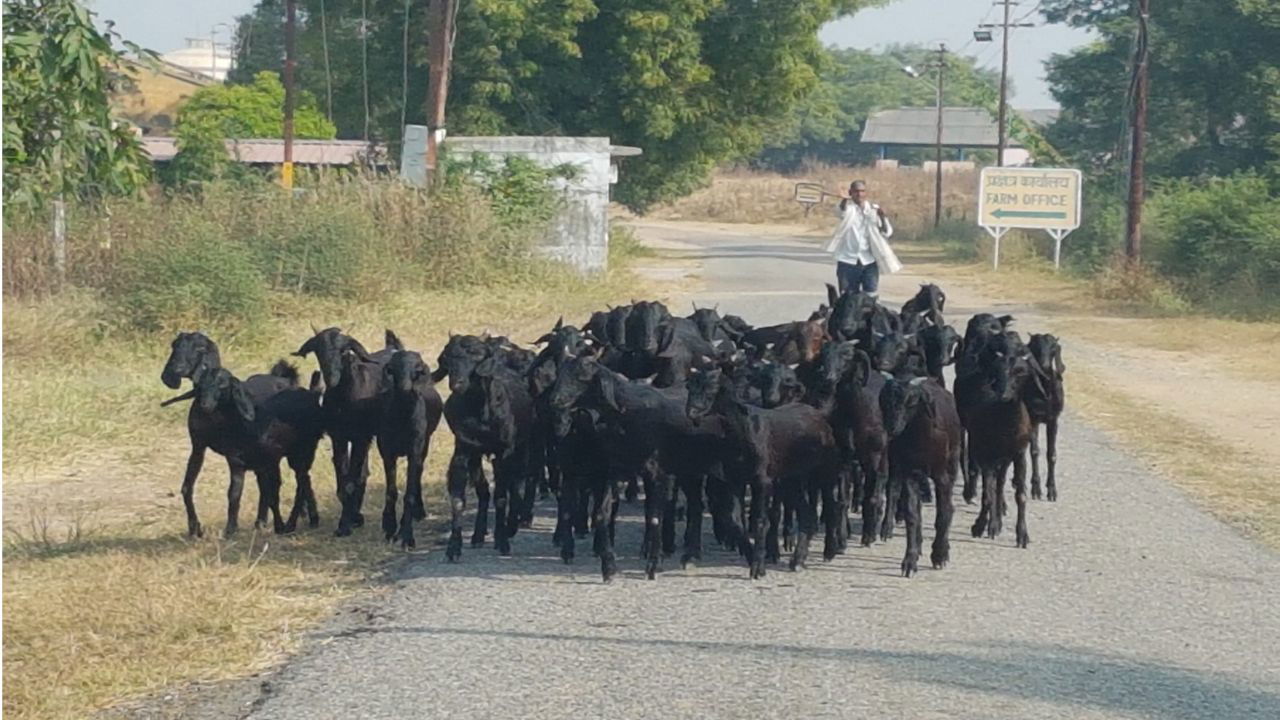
(60, 240)
(440, 33)
(1133, 229)
(937, 188)
(290, 17)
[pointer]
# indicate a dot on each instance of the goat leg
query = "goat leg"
(566, 514)
(389, 523)
(475, 471)
(669, 522)
(194, 462)
(234, 489)
(692, 519)
(272, 485)
(303, 495)
(988, 501)
(1051, 456)
(806, 522)
(908, 492)
(873, 492)
(1035, 461)
(944, 509)
(971, 470)
(602, 520)
(420, 507)
(1020, 497)
(772, 553)
(890, 518)
(412, 489)
(353, 489)
(760, 498)
(458, 474)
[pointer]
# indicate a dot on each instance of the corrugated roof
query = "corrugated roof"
(961, 127)
(271, 151)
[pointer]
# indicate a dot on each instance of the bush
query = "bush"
(189, 277)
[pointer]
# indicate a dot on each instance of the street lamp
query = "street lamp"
(982, 35)
(939, 66)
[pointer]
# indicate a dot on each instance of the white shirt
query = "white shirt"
(853, 236)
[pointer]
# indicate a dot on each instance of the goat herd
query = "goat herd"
(762, 427)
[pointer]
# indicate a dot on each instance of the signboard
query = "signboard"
(809, 194)
(1029, 198)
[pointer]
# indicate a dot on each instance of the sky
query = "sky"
(162, 25)
(953, 21)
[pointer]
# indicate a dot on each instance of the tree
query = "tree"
(1214, 77)
(693, 82)
(827, 125)
(60, 137)
(255, 111)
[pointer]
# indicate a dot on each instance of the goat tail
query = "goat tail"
(283, 369)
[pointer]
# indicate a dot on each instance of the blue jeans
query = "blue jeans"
(858, 278)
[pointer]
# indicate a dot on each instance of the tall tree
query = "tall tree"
(1214, 75)
(60, 137)
(692, 82)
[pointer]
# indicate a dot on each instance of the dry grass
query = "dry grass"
(113, 602)
(753, 197)
(1184, 453)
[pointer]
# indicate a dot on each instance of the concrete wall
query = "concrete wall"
(579, 234)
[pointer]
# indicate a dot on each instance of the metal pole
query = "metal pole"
(937, 188)
(1133, 229)
(439, 54)
(286, 170)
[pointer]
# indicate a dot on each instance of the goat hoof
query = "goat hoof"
(608, 568)
(688, 558)
(908, 568)
(503, 547)
(342, 531)
(229, 532)
(454, 551)
(476, 541)
(940, 558)
(195, 531)
(1052, 494)
(977, 530)
(1024, 539)
(357, 520)
(313, 522)
(651, 572)
(407, 541)
(567, 558)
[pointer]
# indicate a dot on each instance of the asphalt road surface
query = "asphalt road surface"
(1130, 603)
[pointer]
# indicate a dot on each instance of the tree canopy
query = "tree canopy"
(693, 82)
(827, 125)
(1214, 84)
(255, 111)
(59, 133)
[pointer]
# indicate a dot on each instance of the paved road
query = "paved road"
(1130, 603)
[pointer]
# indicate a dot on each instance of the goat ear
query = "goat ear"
(1057, 361)
(545, 338)
(244, 405)
(317, 381)
(440, 373)
(1005, 320)
(559, 324)
(393, 342)
(666, 334)
(307, 347)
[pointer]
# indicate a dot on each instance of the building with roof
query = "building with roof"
(270, 151)
(963, 128)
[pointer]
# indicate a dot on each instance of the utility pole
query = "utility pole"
(440, 33)
(1002, 130)
(937, 188)
(286, 170)
(1133, 228)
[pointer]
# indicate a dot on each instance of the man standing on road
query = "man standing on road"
(860, 242)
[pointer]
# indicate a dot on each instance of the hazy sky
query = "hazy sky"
(162, 24)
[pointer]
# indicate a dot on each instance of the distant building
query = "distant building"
(154, 93)
(963, 128)
(203, 56)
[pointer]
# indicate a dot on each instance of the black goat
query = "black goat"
(411, 410)
(790, 448)
(941, 346)
(990, 395)
(189, 354)
(490, 412)
(849, 392)
(924, 430)
(1044, 403)
(352, 409)
(645, 433)
(253, 424)
(929, 302)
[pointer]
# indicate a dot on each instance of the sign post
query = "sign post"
(1030, 198)
(809, 194)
